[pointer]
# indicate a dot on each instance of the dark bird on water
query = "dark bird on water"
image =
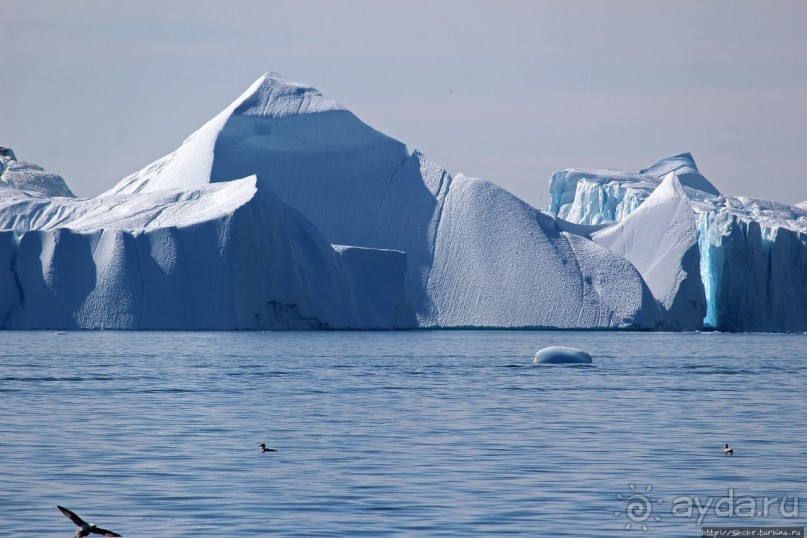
(264, 449)
(84, 528)
(728, 449)
(450, 91)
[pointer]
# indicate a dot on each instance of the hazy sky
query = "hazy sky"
(95, 90)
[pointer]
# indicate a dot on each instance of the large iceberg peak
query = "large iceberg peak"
(273, 95)
(279, 129)
(475, 255)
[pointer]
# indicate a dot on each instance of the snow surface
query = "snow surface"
(498, 258)
(477, 256)
(802, 205)
(660, 239)
(224, 256)
(562, 355)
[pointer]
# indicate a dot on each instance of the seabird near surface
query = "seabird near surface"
(84, 528)
(728, 449)
(264, 449)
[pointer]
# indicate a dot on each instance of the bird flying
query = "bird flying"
(84, 528)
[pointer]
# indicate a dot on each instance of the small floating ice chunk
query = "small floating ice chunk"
(562, 355)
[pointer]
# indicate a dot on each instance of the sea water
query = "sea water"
(421, 433)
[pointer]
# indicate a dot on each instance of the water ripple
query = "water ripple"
(459, 436)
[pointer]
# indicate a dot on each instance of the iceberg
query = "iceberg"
(605, 196)
(500, 262)
(477, 256)
(286, 211)
(734, 263)
(562, 355)
(220, 257)
(753, 256)
(30, 177)
(660, 239)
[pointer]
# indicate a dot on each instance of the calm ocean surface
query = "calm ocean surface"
(428, 433)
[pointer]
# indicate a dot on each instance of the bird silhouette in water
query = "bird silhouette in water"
(451, 91)
(728, 450)
(264, 449)
(84, 528)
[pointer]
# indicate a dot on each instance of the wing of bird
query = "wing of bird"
(104, 532)
(73, 517)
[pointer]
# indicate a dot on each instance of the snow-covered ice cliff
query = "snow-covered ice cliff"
(223, 256)
(753, 256)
